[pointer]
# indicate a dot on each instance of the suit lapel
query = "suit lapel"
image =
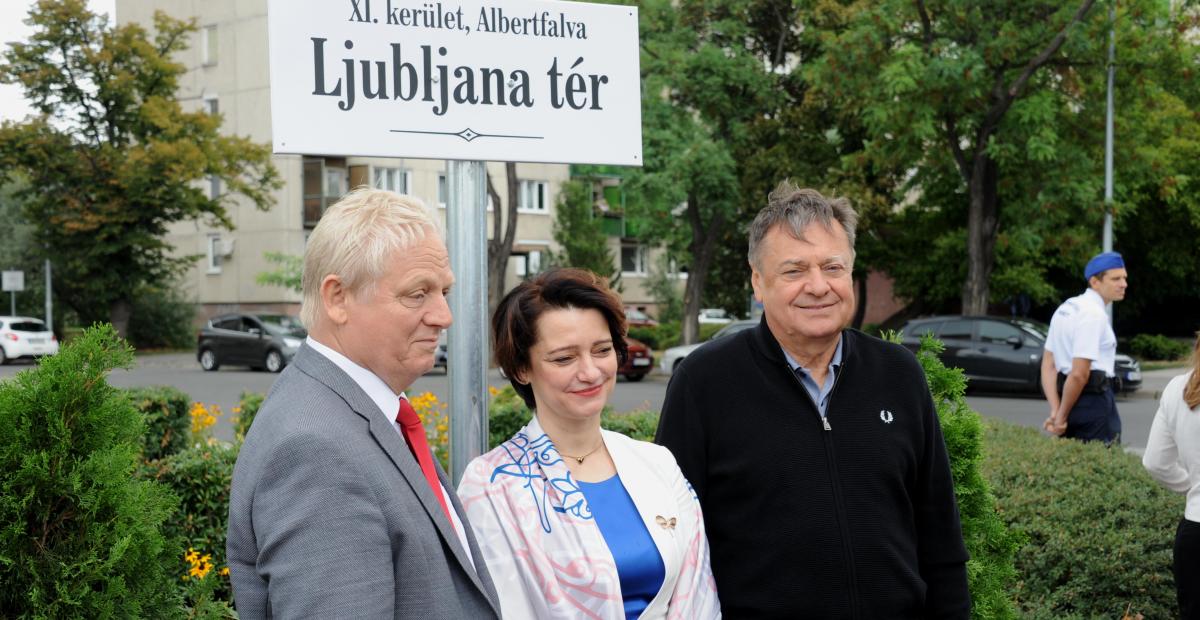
(382, 430)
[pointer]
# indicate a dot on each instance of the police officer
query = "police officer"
(1081, 349)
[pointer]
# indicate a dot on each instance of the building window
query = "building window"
(525, 265)
(533, 196)
(214, 187)
(212, 105)
(633, 258)
(391, 179)
(215, 249)
(441, 191)
(208, 45)
(324, 183)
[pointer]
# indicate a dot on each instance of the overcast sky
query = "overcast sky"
(12, 28)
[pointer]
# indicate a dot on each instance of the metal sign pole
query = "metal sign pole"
(49, 302)
(468, 347)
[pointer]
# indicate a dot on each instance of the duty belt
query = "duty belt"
(1097, 383)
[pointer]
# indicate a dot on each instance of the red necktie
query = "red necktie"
(414, 435)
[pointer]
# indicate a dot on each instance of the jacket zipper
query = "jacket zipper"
(843, 527)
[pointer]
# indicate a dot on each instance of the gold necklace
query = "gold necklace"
(579, 459)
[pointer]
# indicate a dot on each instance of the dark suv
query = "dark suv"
(999, 352)
(260, 341)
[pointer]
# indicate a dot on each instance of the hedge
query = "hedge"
(1158, 347)
(200, 477)
(168, 424)
(1099, 530)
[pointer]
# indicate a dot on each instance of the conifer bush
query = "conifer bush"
(991, 572)
(80, 536)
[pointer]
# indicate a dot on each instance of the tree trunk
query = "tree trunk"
(118, 315)
(860, 300)
(983, 224)
(703, 249)
(500, 245)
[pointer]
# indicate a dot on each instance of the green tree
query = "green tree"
(994, 111)
(577, 231)
(287, 273)
(112, 159)
(704, 88)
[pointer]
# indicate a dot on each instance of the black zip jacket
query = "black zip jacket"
(857, 521)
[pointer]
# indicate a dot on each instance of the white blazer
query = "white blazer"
(544, 550)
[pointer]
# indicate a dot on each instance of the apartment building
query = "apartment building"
(227, 73)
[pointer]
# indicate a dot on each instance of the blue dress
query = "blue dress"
(639, 565)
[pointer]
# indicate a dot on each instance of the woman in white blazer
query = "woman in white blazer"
(574, 521)
(1173, 458)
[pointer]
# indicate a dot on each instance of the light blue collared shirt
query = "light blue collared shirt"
(819, 394)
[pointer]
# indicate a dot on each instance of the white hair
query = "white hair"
(354, 240)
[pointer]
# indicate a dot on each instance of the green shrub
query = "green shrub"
(647, 335)
(80, 536)
(200, 477)
(708, 329)
(989, 541)
(507, 413)
(1158, 347)
(636, 424)
(168, 425)
(1100, 531)
(244, 415)
(161, 319)
(667, 334)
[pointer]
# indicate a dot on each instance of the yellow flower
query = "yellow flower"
(225, 571)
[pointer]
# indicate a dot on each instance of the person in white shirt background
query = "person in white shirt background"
(1173, 458)
(1080, 356)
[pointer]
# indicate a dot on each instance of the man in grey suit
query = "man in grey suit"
(338, 509)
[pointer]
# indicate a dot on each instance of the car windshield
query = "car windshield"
(283, 325)
(733, 328)
(1034, 327)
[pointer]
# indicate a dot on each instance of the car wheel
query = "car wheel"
(273, 362)
(634, 378)
(3, 357)
(208, 360)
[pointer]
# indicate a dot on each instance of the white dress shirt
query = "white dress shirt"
(389, 403)
(1173, 451)
(1080, 328)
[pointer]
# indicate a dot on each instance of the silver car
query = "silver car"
(673, 356)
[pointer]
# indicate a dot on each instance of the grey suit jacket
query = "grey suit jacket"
(330, 517)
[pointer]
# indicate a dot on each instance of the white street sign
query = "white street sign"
(501, 80)
(13, 281)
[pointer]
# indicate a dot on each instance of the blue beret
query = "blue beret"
(1103, 262)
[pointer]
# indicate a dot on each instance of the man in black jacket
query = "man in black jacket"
(815, 450)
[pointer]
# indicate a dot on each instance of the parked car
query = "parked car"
(637, 318)
(715, 315)
(23, 336)
(673, 356)
(638, 363)
(441, 357)
(260, 341)
(1001, 353)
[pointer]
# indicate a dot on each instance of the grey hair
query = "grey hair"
(354, 240)
(796, 209)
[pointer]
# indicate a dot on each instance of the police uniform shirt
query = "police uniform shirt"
(1080, 328)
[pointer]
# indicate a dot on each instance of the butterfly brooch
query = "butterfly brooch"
(664, 523)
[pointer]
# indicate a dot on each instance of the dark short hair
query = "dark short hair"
(795, 209)
(514, 324)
